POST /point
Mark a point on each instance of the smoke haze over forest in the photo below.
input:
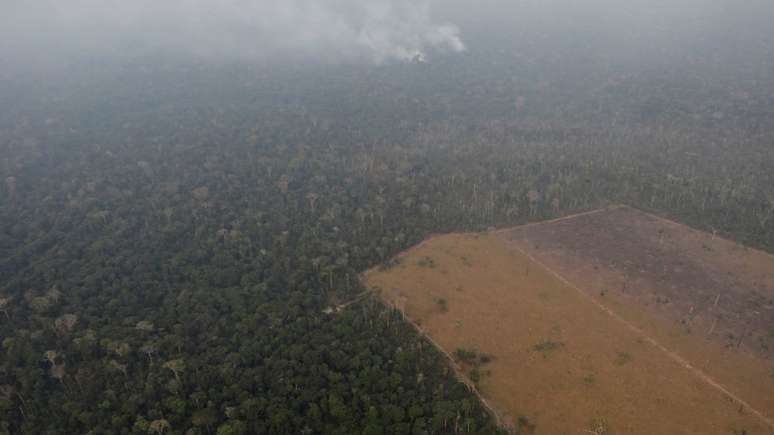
(380, 30)
(374, 30)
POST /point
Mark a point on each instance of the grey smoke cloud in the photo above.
(374, 30)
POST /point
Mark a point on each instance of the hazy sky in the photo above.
(375, 30)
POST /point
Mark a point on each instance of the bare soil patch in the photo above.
(711, 286)
(571, 317)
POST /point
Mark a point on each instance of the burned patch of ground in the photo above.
(712, 287)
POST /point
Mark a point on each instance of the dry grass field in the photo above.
(605, 323)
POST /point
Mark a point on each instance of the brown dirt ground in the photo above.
(584, 317)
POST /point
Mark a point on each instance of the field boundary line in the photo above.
(432, 237)
(606, 208)
(675, 223)
(672, 355)
(559, 219)
(646, 212)
(500, 420)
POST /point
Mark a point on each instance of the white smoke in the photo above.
(377, 30)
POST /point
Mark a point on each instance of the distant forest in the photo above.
(171, 232)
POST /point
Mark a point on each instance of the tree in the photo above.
(533, 196)
(177, 366)
(159, 426)
(149, 349)
(206, 417)
(4, 303)
(232, 428)
(65, 323)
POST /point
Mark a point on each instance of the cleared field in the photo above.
(578, 344)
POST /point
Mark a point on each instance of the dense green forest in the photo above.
(171, 233)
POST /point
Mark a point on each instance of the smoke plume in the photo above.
(373, 30)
